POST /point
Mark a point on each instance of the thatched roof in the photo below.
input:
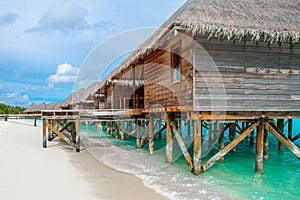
(271, 20)
(39, 108)
(82, 95)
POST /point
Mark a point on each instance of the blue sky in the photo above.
(44, 43)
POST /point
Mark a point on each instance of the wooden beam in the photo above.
(259, 159)
(130, 134)
(296, 137)
(197, 147)
(283, 139)
(228, 148)
(61, 135)
(182, 146)
(151, 136)
(169, 140)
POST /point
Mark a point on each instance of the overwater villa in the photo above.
(225, 66)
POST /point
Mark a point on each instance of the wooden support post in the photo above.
(34, 122)
(138, 132)
(44, 134)
(280, 125)
(151, 137)
(159, 125)
(49, 131)
(228, 148)
(182, 146)
(77, 136)
(188, 124)
(233, 134)
(122, 130)
(259, 160)
(266, 144)
(221, 139)
(5, 118)
(197, 147)
(283, 139)
(169, 140)
(290, 129)
(252, 138)
(109, 128)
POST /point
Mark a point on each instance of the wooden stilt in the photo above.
(290, 129)
(221, 139)
(252, 138)
(188, 124)
(182, 146)
(197, 147)
(228, 148)
(260, 147)
(280, 125)
(283, 139)
(49, 131)
(138, 132)
(34, 122)
(77, 136)
(44, 134)
(266, 144)
(233, 134)
(122, 130)
(169, 140)
(151, 137)
(5, 118)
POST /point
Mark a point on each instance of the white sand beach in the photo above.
(28, 171)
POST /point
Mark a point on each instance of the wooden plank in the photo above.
(197, 147)
(283, 139)
(228, 148)
(182, 146)
(259, 159)
(169, 141)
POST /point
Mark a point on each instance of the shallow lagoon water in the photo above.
(232, 179)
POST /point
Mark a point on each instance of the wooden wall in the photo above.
(160, 90)
(246, 76)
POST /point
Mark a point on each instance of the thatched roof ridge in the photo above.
(271, 20)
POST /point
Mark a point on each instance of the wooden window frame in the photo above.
(173, 56)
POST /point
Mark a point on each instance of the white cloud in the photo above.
(65, 17)
(65, 73)
(8, 19)
(15, 99)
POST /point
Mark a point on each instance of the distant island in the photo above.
(6, 109)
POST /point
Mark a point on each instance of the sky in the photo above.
(45, 44)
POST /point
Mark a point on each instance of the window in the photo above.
(176, 64)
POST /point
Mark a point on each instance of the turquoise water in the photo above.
(232, 179)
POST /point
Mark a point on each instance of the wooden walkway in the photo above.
(146, 127)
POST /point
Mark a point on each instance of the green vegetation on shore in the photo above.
(5, 109)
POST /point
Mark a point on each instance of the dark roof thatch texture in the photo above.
(271, 20)
(39, 108)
